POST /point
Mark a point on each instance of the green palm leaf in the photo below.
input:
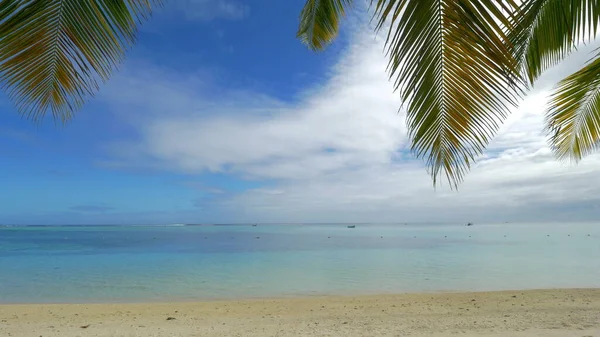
(319, 22)
(547, 30)
(573, 119)
(453, 67)
(53, 53)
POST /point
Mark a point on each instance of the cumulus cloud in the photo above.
(339, 153)
(351, 121)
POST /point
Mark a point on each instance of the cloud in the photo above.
(91, 208)
(208, 10)
(16, 135)
(203, 187)
(349, 124)
(339, 151)
(57, 173)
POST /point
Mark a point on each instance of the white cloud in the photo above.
(339, 153)
(207, 10)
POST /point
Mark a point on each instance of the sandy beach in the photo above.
(564, 312)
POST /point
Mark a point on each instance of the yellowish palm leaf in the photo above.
(548, 30)
(573, 119)
(453, 66)
(53, 53)
(320, 21)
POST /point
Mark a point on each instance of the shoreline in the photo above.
(290, 297)
(549, 312)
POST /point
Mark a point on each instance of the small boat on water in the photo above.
(352, 226)
(470, 224)
(254, 225)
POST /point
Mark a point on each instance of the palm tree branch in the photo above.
(54, 53)
(573, 118)
(319, 22)
(548, 30)
(452, 63)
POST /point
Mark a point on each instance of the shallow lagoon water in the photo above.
(163, 263)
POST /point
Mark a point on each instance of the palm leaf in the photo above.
(547, 30)
(453, 67)
(573, 119)
(53, 53)
(319, 22)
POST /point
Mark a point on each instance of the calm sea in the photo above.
(145, 263)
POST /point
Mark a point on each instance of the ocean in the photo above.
(83, 264)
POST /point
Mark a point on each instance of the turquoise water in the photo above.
(129, 264)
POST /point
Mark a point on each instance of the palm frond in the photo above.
(573, 119)
(453, 67)
(320, 20)
(54, 53)
(547, 30)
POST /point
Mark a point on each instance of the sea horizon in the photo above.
(398, 223)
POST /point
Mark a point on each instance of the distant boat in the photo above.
(352, 226)
(254, 225)
(470, 224)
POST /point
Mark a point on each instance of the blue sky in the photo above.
(220, 115)
(55, 173)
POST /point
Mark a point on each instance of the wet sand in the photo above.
(553, 313)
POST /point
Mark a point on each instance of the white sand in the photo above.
(552, 313)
